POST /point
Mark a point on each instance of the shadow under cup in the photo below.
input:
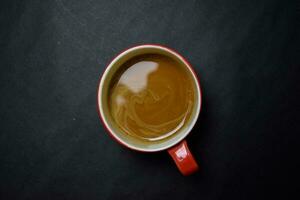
(104, 93)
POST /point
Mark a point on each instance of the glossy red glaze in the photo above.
(183, 158)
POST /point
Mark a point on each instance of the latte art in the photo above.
(151, 98)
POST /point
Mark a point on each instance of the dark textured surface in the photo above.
(52, 145)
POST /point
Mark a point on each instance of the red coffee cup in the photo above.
(175, 145)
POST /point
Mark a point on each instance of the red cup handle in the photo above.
(183, 158)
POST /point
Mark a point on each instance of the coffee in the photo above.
(151, 97)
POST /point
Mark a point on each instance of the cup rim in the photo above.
(118, 56)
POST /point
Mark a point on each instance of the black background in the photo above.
(53, 146)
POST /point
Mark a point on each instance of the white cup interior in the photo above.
(103, 102)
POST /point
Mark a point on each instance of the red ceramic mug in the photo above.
(175, 145)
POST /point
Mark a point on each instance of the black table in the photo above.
(53, 146)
